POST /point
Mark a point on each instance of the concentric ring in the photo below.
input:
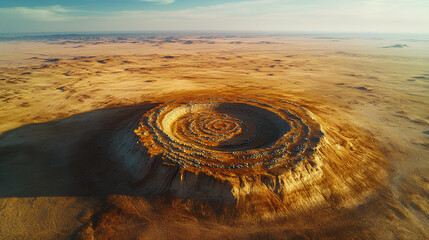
(230, 133)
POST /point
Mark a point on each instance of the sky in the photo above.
(390, 16)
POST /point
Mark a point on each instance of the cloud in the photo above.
(160, 1)
(375, 2)
(287, 15)
(44, 14)
(271, 15)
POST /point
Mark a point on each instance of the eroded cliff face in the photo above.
(253, 156)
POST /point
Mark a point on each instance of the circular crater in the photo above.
(230, 134)
(223, 126)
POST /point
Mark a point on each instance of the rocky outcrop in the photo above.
(257, 156)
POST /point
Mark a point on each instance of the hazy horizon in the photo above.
(224, 33)
(350, 16)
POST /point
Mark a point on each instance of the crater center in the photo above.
(223, 126)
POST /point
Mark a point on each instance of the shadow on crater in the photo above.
(65, 157)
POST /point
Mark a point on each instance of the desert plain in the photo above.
(70, 105)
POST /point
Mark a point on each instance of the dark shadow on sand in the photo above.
(65, 157)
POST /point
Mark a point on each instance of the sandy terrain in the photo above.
(68, 105)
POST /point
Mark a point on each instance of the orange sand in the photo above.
(362, 91)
